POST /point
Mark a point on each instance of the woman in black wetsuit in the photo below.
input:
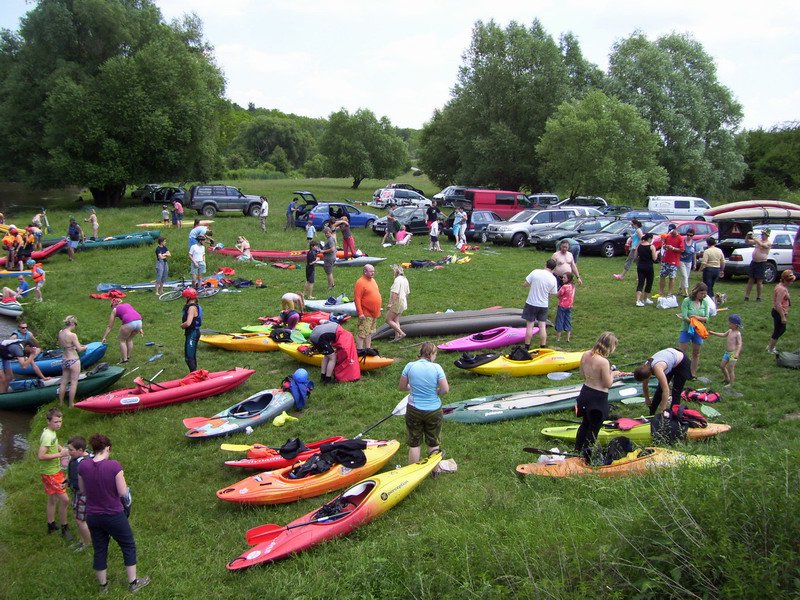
(192, 320)
(592, 402)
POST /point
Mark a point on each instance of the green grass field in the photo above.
(730, 532)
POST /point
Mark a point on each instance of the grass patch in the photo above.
(481, 533)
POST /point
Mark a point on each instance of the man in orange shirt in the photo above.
(368, 301)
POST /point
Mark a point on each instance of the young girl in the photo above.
(311, 231)
(733, 349)
(243, 246)
(434, 232)
(165, 216)
(403, 236)
(92, 220)
(566, 298)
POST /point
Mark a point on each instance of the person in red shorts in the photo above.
(50, 455)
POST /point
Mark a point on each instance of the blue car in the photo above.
(322, 211)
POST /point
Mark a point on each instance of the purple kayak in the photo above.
(491, 338)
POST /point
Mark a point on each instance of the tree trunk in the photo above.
(356, 182)
(109, 195)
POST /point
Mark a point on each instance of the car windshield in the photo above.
(660, 228)
(616, 227)
(404, 212)
(568, 224)
(523, 216)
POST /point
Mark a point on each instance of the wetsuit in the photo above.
(192, 336)
(592, 405)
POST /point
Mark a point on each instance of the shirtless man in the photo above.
(592, 402)
(70, 361)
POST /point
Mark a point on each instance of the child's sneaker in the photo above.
(640, 303)
(648, 301)
(138, 583)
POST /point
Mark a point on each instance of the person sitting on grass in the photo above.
(403, 236)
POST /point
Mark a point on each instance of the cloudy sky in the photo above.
(400, 59)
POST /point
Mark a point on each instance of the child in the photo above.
(38, 274)
(566, 298)
(311, 259)
(403, 236)
(733, 349)
(311, 231)
(162, 264)
(434, 232)
(76, 446)
(50, 455)
(165, 216)
(92, 220)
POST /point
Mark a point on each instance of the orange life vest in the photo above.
(37, 273)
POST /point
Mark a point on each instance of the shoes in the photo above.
(746, 299)
(617, 276)
(758, 299)
(67, 534)
(138, 583)
(51, 527)
(648, 301)
(640, 303)
(773, 350)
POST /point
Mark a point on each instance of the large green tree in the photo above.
(102, 93)
(598, 145)
(260, 137)
(361, 146)
(773, 160)
(673, 82)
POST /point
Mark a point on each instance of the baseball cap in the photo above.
(672, 227)
(766, 231)
(735, 319)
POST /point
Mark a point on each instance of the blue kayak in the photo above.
(49, 361)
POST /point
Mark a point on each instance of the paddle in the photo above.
(263, 533)
(153, 380)
(548, 452)
(46, 222)
(400, 409)
(237, 447)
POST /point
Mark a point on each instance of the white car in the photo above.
(386, 197)
(779, 259)
(518, 229)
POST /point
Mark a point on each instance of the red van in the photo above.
(504, 203)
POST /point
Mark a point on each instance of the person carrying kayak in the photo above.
(192, 320)
(592, 401)
(666, 365)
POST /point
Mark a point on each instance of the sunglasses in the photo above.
(23, 326)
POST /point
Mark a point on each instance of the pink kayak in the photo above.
(491, 338)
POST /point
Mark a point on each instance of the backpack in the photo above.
(519, 353)
(689, 416)
(666, 430)
(704, 395)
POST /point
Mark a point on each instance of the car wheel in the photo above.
(209, 211)
(607, 250)
(518, 240)
(369, 224)
(254, 211)
(701, 218)
(482, 237)
(771, 273)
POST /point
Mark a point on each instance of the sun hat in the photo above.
(735, 319)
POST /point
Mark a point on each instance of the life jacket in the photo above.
(11, 349)
(692, 418)
(73, 233)
(38, 273)
(700, 395)
(198, 320)
(8, 241)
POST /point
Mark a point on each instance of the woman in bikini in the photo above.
(70, 361)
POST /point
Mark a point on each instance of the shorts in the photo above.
(670, 271)
(7, 363)
(73, 243)
(54, 484)
(79, 506)
(728, 358)
(178, 216)
(534, 314)
(134, 325)
(327, 267)
(434, 239)
(162, 271)
(310, 273)
(200, 269)
(40, 284)
(757, 270)
(366, 326)
(427, 423)
(686, 337)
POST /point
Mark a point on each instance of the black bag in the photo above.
(292, 448)
(617, 448)
(519, 353)
(666, 430)
(281, 334)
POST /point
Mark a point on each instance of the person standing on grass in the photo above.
(311, 231)
(695, 306)
(781, 302)
(391, 227)
(646, 256)
(688, 261)
(425, 382)
(566, 299)
(311, 263)
(264, 213)
(668, 365)
(542, 284)
(71, 348)
(192, 321)
(435, 229)
(636, 238)
(398, 302)
(74, 238)
(178, 213)
(102, 480)
(712, 264)
(329, 255)
(758, 264)
(197, 257)
(348, 241)
(592, 402)
(162, 264)
(733, 349)
(565, 263)
(50, 455)
(131, 324)
(290, 210)
(673, 247)
(92, 220)
(367, 298)
(459, 225)
(76, 446)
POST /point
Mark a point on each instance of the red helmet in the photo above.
(189, 292)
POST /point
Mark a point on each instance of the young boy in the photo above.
(311, 259)
(311, 231)
(76, 446)
(733, 349)
(50, 455)
(165, 216)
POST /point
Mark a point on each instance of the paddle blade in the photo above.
(548, 452)
(263, 533)
(400, 409)
(192, 422)
(235, 447)
(558, 375)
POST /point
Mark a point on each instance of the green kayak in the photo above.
(301, 327)
(503, 407)
(122, 240)
(31, 393)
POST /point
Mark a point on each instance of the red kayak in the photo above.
(265, 458)
(195, 386)
(312, 318)
(42, 254)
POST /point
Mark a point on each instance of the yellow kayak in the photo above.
(304, 354)
(241, 342)
(541, 362)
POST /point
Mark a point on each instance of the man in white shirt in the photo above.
(197, 254)
(264, 213)
(542, 284)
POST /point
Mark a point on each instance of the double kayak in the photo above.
(266, 458)
(246, 342)
(637, 462)
(31, 393)
(305, 354)
(195, 386)
(301, 328)
(539, 362)
(49, 361)
(487, 340)
(640, 434)
(38, 255)
(123, 240)
(252, 412)
(503, 407)
(359, 504)
(277, 487)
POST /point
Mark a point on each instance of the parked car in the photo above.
(477, 223)
(405, 186)
(208, 200)
(679, 207)
(731, 234)
(615, 209)
(322, 211)
(413, 217)
(548, 239)
(164, 194)
(702, 230)
(610, 240)
(779, 258)
(518, 229)
(143, 192)
(450, 195)
(543, 200)
(398, 197)
(643, 215)
(590, 201)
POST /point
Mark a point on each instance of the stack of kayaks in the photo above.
(266, 458)
(38, 255)
(247, 342)
(641, 433)
(49, 361)
(305, 354)
(637, 462)
(256, 410)
(487, 340)
(361, 503)
(195, 386)
(30, 393)
(540, 362)
(276, 487)
(502, 407)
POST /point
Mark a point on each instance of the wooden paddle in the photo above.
(264, 533)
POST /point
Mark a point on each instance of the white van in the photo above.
(686, 208)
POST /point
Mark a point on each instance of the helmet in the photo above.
(12, 229)
(300, 375)
(30, 262)
(189, 293)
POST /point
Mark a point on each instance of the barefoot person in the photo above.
(592, 401)
(398, 302)
(131, 325)
(780, 309)
(70, 359)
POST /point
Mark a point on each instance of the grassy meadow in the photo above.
(730, 532)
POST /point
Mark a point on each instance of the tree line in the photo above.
(105, 93)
